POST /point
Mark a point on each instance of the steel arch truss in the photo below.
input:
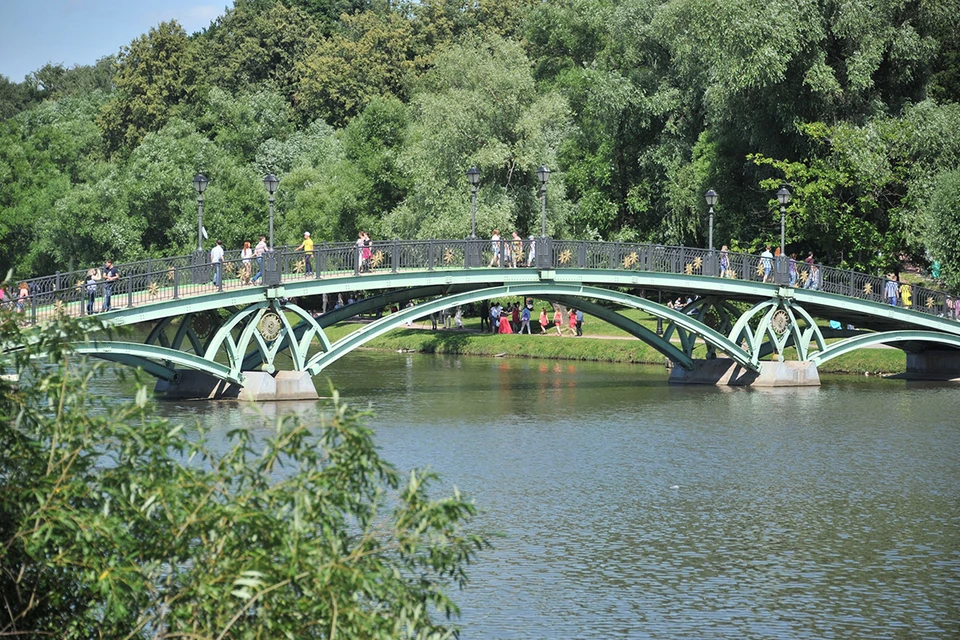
(265, 328)
(716, 313)
(204, 342)
(546, 290)
(773, 325)
(847, 345)
(155, 360)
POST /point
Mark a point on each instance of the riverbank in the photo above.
(592, 347)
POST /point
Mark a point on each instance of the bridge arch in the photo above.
(889, 337)
(149, 356)
(547, 290)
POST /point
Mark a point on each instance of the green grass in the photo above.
(587, 348)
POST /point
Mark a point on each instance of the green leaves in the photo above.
(131, 526)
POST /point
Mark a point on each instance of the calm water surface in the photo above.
(632, 509)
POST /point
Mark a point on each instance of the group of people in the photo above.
(895, 292)
(106, 276)
(247, 257)
(20, 300)
(517, 319)
(364, 252)
(770, 257)
(510, 252)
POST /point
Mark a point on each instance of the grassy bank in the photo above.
(596, 346)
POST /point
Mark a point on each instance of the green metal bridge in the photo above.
(229, 334)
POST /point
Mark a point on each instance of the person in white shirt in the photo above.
(495, 245)
(216, 259)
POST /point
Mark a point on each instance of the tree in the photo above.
(254, 44)
(55, 80)
(15, 97)
(943, 226)
(479, 105)
(240, 122)
(155, 74)
(368, 57)
(118, 525)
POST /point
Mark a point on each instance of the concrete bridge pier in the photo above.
(933, 364)
(724, 371)
(259, 386)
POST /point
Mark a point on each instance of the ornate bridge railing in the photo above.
(159, 279)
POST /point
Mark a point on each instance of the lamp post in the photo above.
(784, 197)
(782, 273)
(271, 182)
(543, 173)
(200, 184)
(473, 177)
(711, 198)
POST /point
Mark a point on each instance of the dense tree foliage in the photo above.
(114, 524)
(370, 112)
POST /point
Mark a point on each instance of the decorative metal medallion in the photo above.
(377, 260)
(760, 268)
(80, 285)
(868, 289)
(59, 308)
(171, 274)
(566, 256)
(929, 302)
(270, 326)
(154, 289)
(449, 256)
(299, 267)
(780, 322)
(688, 269)
(698, 263)
(203, 323)
(631, 260)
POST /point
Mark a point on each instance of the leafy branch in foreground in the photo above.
(114, 524)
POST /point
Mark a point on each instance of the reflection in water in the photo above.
(633, 509)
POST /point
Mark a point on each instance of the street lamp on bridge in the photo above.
(784, 197)
(473, 177)
(271, 182)
(711, 198)
(543, 173)
(200, 184)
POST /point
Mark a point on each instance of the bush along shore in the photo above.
(591, 347)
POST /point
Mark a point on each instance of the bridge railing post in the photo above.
(176, 282)
(472, 257)
(430, 255)
(129, 291)
(271, 268)
(316, 263)
(582, 254)
(395, 255)
(33, 308)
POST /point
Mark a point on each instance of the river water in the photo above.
(634, 509)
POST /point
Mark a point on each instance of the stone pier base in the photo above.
(259, 387)
(724, 371)
(933, 365)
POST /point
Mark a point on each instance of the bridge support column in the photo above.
(724, 371)
(933, 365)
(259, 386)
